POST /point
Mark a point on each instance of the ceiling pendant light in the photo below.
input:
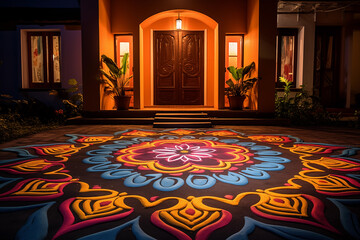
(178, 22)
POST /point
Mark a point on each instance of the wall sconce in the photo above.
(178, 22)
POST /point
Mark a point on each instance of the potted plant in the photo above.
(242, 83)
(116, 80)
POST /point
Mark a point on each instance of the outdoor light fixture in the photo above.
(178, 22)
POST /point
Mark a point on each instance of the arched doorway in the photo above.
(198, 29)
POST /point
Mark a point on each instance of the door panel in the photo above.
(165, 67)
(192, 68)
(179, 67)
(327, 66)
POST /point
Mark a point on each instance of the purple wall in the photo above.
(71, 56)
(10, 69)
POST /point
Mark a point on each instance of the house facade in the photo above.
(183, 67)
(149, 25)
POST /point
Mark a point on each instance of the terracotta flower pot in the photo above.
(236, 102)
(122, 102)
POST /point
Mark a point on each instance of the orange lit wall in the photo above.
(168, 23)
(251, 46)
(260, 48)
(229, 14)
(106, 46)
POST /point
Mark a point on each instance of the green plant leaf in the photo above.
(240, 73)
(111, 65)
(248, 68)
(115, 78)
(72, 90)
(72, 82)
(230, 83)
(282, 79)
(241, 86)
(110, 81)
(110, 78)
(234, 72)
(124, 63)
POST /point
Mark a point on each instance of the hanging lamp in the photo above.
(178, 22)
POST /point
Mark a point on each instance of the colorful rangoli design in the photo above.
(180, 184)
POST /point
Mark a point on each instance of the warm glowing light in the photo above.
(233, 49)
(124, 48)
(178, 22)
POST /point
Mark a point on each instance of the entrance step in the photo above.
(183, 114)
(178, 118)
(182, 124)
(182, 119)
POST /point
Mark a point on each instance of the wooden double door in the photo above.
(179, 67)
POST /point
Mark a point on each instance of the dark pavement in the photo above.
(330, 135)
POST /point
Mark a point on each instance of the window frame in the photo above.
(129, 88)
(48, 60)
(229, 38)
(280, 33)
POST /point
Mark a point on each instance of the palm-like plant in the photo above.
(115, 78)
(243, 82)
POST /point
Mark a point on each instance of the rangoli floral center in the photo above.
(183, 152)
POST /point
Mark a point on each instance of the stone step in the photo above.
(183, 114)
(150, 120)
(181, 119)
(182, 124)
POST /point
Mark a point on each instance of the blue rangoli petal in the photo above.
(5, 181)
(268, 166)
(104, 167)
(232, 178)
(268, 153)
(349, 220)
(36, 226)
(255, 173)
(137, 180)
(168, 183)
(272, 159)
(200, 181)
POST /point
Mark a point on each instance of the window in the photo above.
(286, 51)
(234, 50)
(44, 59)
(123, 44)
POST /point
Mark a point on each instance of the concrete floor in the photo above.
(330, 135)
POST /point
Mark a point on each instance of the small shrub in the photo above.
(72, 99)
(13, 125)
(302, 109)
(23, 117)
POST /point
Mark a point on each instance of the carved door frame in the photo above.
(182, 72)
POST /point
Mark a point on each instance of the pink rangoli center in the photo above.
(183, 152)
